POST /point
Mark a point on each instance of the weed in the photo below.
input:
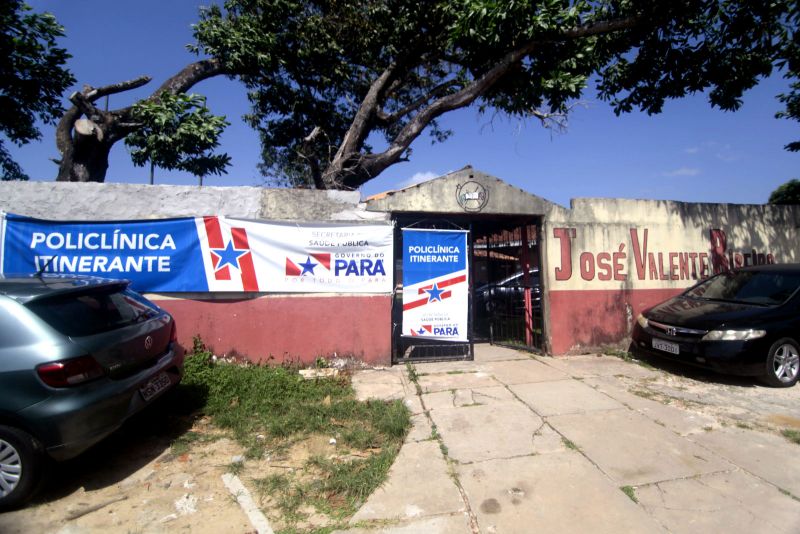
(745, 426)
(630, 491)
(412, 373)
(645, 394)
(791, 435)
(456, 372)
(272, 408)
(569, 444)
(235, 468)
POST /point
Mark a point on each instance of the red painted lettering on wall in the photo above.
(653, 265)
(564, 272)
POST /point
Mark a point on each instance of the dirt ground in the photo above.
(136, 482)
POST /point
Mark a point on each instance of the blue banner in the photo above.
(435, 284)
(160, 255)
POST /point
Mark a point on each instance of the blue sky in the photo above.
(689, 152)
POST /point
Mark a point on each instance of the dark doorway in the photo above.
(507, 295)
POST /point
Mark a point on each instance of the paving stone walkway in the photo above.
(514, 443)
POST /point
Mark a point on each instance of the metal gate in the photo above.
(415, 349)
(510, 302)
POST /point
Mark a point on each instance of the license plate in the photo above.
(154, 386)
(666, 346)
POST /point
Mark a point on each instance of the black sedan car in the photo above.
(78, 356)
(744, 322)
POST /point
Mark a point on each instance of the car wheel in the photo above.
(20, 466)
(783, 363)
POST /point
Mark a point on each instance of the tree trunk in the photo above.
(85, 143)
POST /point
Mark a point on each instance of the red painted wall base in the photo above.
(591, 318)
(275, 329)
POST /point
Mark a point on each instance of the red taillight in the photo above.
(69, 372)
(173, 334)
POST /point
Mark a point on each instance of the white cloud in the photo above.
(418, 178)
(692, 150)
(682, 171)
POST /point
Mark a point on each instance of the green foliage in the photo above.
(791, 435)
(788, 193)
(32, 77)
(178, 132)
(274, 407)
(310, 64)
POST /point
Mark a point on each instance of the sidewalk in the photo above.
(514, 443)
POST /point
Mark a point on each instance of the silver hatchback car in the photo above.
(78, 356)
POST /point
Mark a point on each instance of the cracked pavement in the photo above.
(518, 443)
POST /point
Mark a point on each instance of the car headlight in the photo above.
(734, 335)
(642, 320)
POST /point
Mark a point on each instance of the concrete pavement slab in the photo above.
(522, 371)
(633, 450)
(457, 380)
(757, 452)
(421, 428)
(734, 502)
(414, 404)
(546, 440)
(492, 353)
(380, 384)
(467, 397)
(680, 421)
(418, 485)
(598, 365)
(447, 524)
(559, 493)
(563, 397)
(478, 433)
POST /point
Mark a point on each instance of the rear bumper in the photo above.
(72, 420)
(744, 358)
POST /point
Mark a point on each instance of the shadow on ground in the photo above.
(142, 438)
(697, 373)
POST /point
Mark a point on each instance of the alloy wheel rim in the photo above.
(786, 363)
(10, 468)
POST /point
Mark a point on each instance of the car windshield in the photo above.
(86, 314)
(765, 288)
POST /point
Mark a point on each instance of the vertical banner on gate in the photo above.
(435, 284)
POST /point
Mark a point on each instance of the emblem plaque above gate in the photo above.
(472, 196)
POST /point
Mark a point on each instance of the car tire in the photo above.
(783, 363)
(21, 461)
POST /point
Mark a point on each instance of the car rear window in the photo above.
(751, 287)
(94, 312)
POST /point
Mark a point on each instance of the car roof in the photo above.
(787, 268)
(28, 287)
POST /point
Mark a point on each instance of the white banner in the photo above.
(296, 257)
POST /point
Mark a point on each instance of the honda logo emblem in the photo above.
(672, 331)
(148, 343)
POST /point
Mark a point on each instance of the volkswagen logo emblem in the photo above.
(148, 343)
(672, 331)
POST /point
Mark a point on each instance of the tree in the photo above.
(32, 78)
(178, 132)
(788, 193)
(340, 89)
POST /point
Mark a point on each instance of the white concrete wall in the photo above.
(93, 201)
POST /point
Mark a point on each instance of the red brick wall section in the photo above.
(597, 317)
(288, 328)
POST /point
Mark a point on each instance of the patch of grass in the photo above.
(235, 468)
(745, 426)
(183, 443)
(645, 394)
(272, 408)
(630, 492)
(791, 435)
(569, 444)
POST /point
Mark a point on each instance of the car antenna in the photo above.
(45, 266)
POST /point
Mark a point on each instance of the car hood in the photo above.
(704, 314)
